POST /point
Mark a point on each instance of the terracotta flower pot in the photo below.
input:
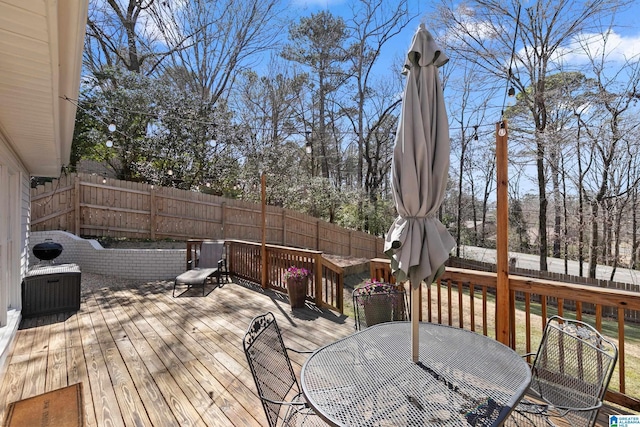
(297, 290)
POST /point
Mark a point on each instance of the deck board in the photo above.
(146, 358)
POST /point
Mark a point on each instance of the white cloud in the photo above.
(316, 3)
(615, 47)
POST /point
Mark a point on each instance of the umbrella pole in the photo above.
(415, 309)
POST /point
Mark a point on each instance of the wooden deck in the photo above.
(147, 359)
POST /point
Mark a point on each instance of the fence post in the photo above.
(76, 206)
(317, 235)
(284, 228)
(152, 213)
(223, 216)
(350, 243)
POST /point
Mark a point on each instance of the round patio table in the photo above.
(368, 378)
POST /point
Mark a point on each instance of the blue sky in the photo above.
(621, 45)
(626, 40)
(397, 48)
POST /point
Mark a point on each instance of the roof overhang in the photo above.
(41, 45)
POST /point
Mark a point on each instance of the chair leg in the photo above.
(174, 288)
(219, 275)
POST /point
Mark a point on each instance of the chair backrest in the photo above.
(210, 254)
(269, 364)
(573, 366)
(377, 303)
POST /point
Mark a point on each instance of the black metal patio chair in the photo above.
(273, 374)
(570, 375)
(378, 302)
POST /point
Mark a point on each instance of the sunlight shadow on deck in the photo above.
(281, 301)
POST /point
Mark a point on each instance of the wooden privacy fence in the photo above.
(90, 205)
(326, 283)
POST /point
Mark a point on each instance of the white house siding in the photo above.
(14, 220)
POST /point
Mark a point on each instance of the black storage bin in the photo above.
(51, 289)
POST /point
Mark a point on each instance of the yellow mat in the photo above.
(57, 408)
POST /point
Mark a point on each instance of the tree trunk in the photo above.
(542, 216)
(634, 229)
(593, 250)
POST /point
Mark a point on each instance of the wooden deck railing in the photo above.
(466, 299)
(326, 283)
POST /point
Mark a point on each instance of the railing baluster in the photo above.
(472, 307)
(440, 303)
(485, 328)
(460, 307)
(561, 307)
(579, 310)
(621, 352)
(527, 323)
(449, 304)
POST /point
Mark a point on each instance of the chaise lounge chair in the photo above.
(209, 263)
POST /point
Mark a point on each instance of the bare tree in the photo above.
(484, 31)
(373, 24)
(124, 34)
(267, 111)
(471, 111)
(613, 99)
(219, 40)
(318, 42)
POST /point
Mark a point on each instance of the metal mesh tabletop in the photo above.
(368, 378)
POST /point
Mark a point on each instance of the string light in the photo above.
(502, 131)
(512, 92)
(308, 146)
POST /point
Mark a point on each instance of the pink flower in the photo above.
(294, 272)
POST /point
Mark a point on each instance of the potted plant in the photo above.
(380, 302)
(297, 281)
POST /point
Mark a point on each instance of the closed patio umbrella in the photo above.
(417, 242)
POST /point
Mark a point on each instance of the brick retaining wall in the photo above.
(144, 264)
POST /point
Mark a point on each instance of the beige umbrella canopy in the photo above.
(417, 243)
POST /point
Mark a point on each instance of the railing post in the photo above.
(231, 257)
(318, 279)
(502, 237)
(265, 263)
